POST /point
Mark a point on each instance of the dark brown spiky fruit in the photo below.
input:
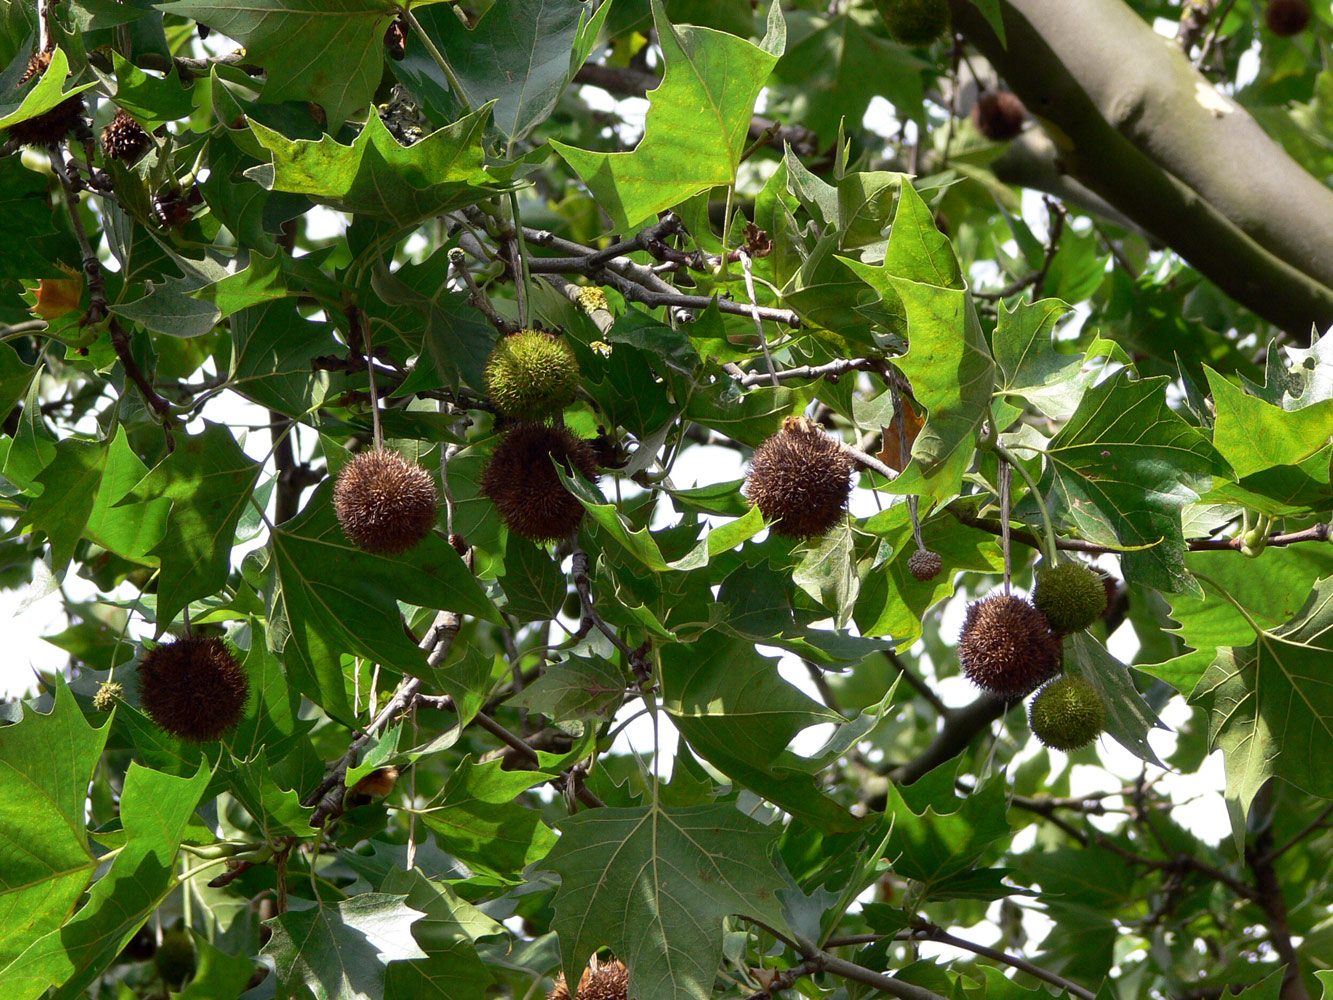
(385, 503)
(998, 115)
(124, 138)
(925, 564)
(600, 981)
(395, 39)
(194, 688)
(1007, 646)
(1287, 17)
(50, 126)
(172, 207)
(520, 479)
(800, 479)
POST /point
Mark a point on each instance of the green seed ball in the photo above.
(1070, 595)
(915, 22)
(175, 958)
(1067, 713)
(531, 375)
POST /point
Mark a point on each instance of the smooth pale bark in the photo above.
(1134, 122)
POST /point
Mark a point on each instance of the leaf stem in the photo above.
(438, 56)
(1052, 545)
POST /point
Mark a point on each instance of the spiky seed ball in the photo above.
(1007, 646)
(1067, 713)
(521, 481)
(194, 688)
(604, 981)
(531, 375)
(800, 479)
(915, 22)
(925, 564)
(1070, 595)
(107, 693)
(50, 126)
(1287, 17)
(998, 115)
(175, 958)
(385, 503)
(124, 138)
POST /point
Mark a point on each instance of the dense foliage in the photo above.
(380, 396)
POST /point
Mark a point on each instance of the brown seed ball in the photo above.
(604, 981)
(385, 503)
(1287, 17)
(925, 564)
(50, 126)
(194, 688)
(1007, 646)
(521, 481)
(124, 138)
(998, 115)
(800, 480)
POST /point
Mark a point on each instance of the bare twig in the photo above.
(120, 343)
(581, 791)
(92, 266)
(933, 932)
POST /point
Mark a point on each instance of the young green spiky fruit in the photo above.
(600, 981)
(1007, 646)
(1067, 713)
(175, 958)
(107, 693)
(521, 481)
(1070, 595)
(915, 22)
(194, 688)
(800, 480)
(385, 503)
(531, 375)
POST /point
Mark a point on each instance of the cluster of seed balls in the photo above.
(387, 505)
(600, 981)
(1011, 646)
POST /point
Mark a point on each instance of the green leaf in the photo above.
(378, 177)
(218, 974)
(533, 583)
(948, 362)
(330, 52)
(1031, 367)
(1128, 716)
(479, 822)
(1270, 710)
(155, 809)
(654, 884)
(338, 599)
(892, 601)
(931, 845)
(208, 480)
(518, 56)
(342, 951)
(273, 346)
(696, 127)
(134, 530)
(277, 810)
(1271, 590)
(1122, 469)
(578, 687)
(70, 485)
(46, 762)
(1254, 436)
(44, 95)
(737, 713)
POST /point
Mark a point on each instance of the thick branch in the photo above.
(1138, 125)
(961, 727)
(1269, 897)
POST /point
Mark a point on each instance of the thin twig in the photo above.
(581, 791)
(748, 268)
(92, 266)
(934, 932)
(1305, 831)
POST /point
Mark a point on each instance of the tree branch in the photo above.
(933, 932)
(961, 727)
(1144, 130)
